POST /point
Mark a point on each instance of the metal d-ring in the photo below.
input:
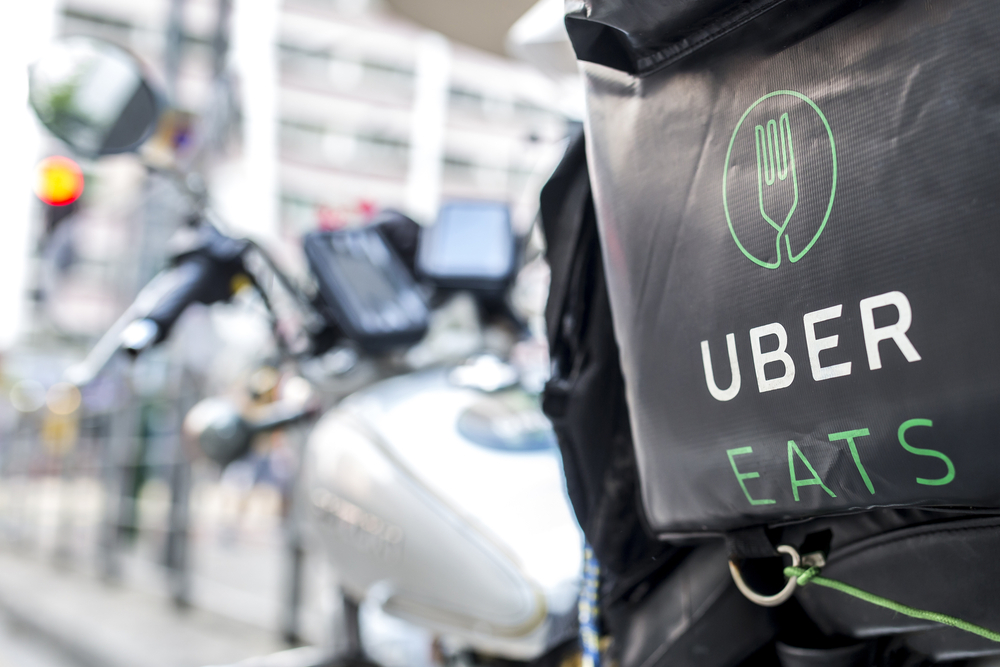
(768, 600)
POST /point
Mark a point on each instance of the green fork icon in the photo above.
(775, 162)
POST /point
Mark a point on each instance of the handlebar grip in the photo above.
(204, 274)
(189, 281)
(198, 279)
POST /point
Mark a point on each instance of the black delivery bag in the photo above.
(798, 206)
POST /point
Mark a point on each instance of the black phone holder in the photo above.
(364, 288)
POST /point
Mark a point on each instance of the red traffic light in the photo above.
(58, 181)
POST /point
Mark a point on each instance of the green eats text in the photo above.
(797, 461)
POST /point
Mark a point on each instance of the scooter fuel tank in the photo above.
(453, 500)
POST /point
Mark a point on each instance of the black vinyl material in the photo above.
(585, 397)
(800, 194)
(852, 655)
(798, 208)
(695, 618)
(946, 566)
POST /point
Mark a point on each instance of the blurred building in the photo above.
(368, 109)
(342, 108)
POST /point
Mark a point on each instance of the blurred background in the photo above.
(119, 543)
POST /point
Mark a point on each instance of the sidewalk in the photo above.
(106, 626)
(19, 647)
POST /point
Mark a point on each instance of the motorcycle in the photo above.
(436, 491)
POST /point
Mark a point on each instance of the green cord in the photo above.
(811, 575)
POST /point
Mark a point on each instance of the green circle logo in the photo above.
(780, 178)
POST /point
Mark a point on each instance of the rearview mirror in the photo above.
(93, 95)
(223, 434)
(219, 429)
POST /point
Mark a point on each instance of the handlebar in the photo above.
(203, 273)
(199, 279)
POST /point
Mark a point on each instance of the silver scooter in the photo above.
(437, 495)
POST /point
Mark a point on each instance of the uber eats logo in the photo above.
(778, 187)
(780, 178)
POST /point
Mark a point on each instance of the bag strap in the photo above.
(750, 542)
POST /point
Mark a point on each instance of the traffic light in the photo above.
(59, 184)
(58, 181)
